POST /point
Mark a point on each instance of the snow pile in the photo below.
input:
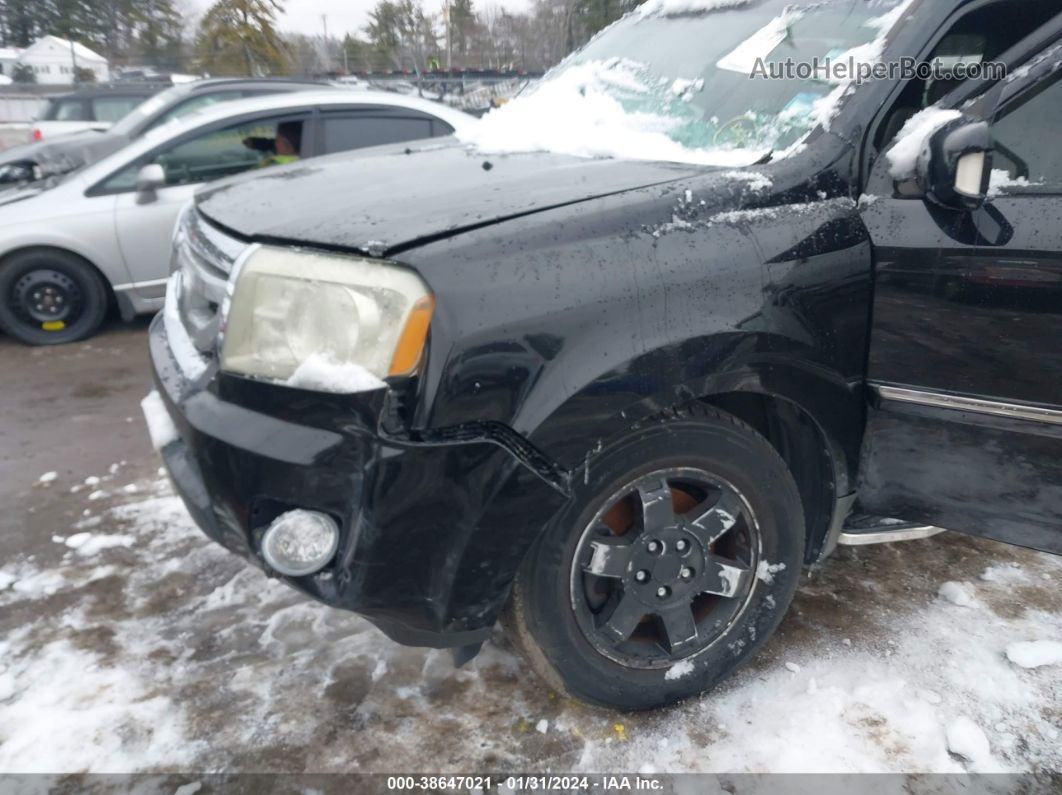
(160, 425)
(88, 544)
(575, 113)
(47, 477)
(966, 739)
(1035, 653)
(914, 138)
(958, 593)
(322, 373)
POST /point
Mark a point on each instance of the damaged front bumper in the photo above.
(433, 526)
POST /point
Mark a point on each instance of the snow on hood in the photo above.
(574, 114)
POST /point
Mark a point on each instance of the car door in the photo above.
(965, 368)
(144, 222)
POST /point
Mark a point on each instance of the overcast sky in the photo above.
(304, 16)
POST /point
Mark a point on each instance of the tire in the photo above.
(731, 498)
(51, 297)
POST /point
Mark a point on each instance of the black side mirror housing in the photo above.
(955, 168)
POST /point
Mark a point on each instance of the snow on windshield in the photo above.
(659, 87)
(669, 7)
(578, 113)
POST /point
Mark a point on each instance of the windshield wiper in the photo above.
(765, 159)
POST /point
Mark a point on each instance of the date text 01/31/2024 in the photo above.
(544, 783)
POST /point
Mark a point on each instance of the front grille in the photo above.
(204, 256)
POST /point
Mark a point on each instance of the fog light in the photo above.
(300, 542)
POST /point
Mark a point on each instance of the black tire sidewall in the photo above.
(735, 454)
(92, 287)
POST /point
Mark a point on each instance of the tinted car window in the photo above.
(67, 110)
(217, 154)
(1027, 138)
(342, 133)
(113, 108)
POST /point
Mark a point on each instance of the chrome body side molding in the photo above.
(1017, 411)
(887, 536)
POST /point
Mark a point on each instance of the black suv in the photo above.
(67, 153)
(620, 402)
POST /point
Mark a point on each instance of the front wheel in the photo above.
(50, 297)
(673, 563)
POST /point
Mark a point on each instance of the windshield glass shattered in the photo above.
(672, 81)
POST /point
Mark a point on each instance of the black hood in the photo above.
(65, 153)
(389, 199)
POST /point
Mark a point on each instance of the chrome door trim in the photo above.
(1016, 411)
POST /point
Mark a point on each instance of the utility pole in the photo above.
(327, 55)
(73, 58)
(449, 37)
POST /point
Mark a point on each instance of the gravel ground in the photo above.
(130, 643)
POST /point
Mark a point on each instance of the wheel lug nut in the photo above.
(663, 592)
(682, 545)
(686, 573)
(654, 546)
(642, 576)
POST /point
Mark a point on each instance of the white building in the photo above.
(53, 59)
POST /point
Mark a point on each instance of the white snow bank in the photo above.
(90, 544)
(160, 426)
(966, 739)
(914, 137)
(321, 373)
(573, 113)
(74, 715)
(1035, 653)
(958, 593)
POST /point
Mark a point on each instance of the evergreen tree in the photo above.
(240, 37)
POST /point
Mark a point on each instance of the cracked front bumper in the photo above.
(432, 530)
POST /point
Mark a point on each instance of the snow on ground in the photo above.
(142, 646)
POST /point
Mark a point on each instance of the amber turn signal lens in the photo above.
(414, 337)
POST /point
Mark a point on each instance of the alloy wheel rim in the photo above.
(665, 568)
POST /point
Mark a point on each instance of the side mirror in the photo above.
(149, 179)
(955, 168)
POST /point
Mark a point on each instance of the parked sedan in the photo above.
(95, 108)
(61, 154)
(73, 245)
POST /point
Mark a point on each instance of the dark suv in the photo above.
(619, 402)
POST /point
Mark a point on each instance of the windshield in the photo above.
(674, 81)
(148, 108)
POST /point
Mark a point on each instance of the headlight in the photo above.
(323, 321)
